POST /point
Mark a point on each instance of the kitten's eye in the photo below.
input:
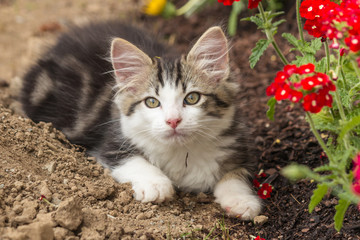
(192, 98)
(151, 102)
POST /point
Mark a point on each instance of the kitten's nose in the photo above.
(173, 122)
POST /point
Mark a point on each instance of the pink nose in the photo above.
(173, 122)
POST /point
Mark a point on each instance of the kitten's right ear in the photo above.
(129, 62)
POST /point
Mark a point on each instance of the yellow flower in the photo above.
(154, 7)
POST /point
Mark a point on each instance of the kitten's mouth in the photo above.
(176, 135)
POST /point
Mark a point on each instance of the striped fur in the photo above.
(100, 104)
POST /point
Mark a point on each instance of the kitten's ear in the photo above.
(210, 54)
(129, 62)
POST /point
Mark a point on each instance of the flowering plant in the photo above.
(327, 88)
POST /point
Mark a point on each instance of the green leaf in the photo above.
(277, 23)
(258, 21)
(354, 122)
(325, 168)
(291, 39)
(301, 60)
(340, 213)
(317, 196)
(258, 51)
(316, 44)
(275, 14)
(271, 111)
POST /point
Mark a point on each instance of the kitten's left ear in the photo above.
(210, 54)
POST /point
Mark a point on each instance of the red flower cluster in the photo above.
(265, 189)
(314, 85)
(252, 3)
(356, 173)
(334, 21)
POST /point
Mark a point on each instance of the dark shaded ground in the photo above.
(286, 139)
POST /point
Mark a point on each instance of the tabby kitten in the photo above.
(158, 120)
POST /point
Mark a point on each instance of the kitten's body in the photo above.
(143, 122)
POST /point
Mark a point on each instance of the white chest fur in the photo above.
(196, 169)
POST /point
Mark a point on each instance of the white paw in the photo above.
(238, 199)
(155, 190)
(244, 206)
(148, 182)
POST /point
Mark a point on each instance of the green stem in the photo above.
(191, 5)
(327, 52)
(340, 106)
(270, 36)
(318, 137)
(298, 18)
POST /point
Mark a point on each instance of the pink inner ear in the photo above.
(210, 54)
(128, 61)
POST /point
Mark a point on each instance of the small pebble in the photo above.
(260, 220)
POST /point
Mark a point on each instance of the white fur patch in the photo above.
(148, 182)
(236, 197)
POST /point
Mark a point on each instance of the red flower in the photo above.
(342, 51)
(227, 2)
(314, 26)
(253, 3)
(325, 98)
(312, 104)
(322, 78)
(329, 86)
(259, 238)
(283, 92)
(311, 9)
(265, 191)
(309, 83)
(281, 77)
(295, 96)
(306, 69)
(271, 90)
(256, 183)
(42, 197)
(290, 69)
(353, 43)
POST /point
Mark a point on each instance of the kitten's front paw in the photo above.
(245, 206)
(155, 190)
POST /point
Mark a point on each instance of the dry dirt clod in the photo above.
(260, 220)
(38, 231)
(69, 214)
(28, 213)
(62, 233)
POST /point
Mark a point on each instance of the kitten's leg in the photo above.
(148, 182)
(234, 194)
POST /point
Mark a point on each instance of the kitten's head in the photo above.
(178, 101)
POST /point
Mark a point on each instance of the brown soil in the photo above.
(85, 202)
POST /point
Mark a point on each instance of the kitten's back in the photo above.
(71, 85)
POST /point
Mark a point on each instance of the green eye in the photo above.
(151, 102)
(192, 98)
